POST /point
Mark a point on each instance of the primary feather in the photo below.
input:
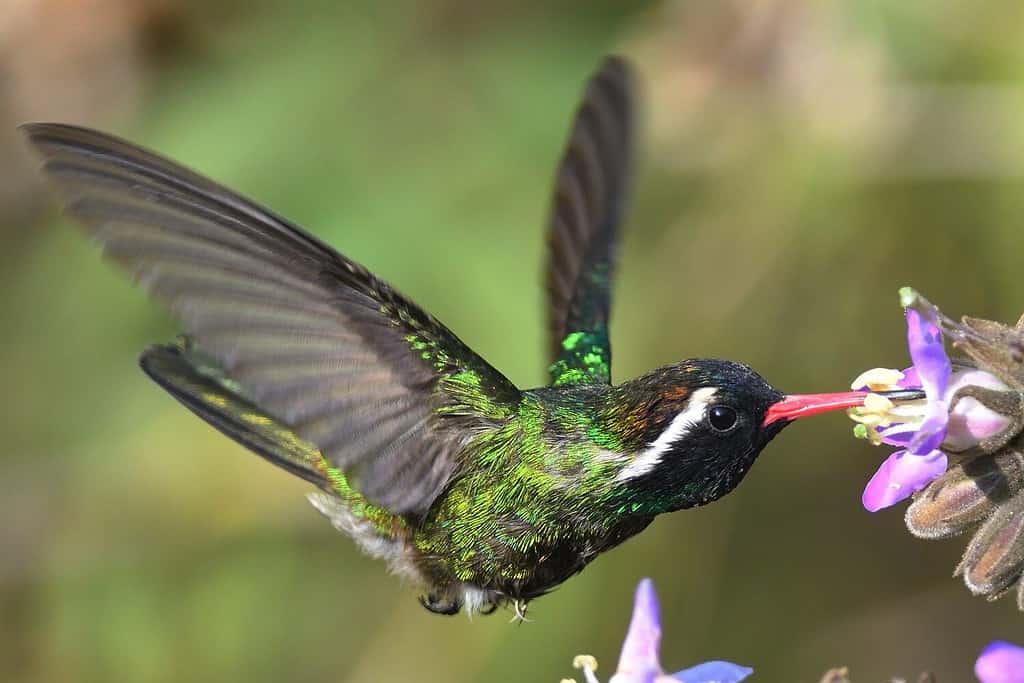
(315, 339)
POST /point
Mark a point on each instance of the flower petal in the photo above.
(911, 379)
(975, 378)
(640, 649)
(647, 676)
(899, 434)
(1000, 662)
(901, 475)
(933, 369)
(932, 432)
(926, 350)
(713, 672)
(970, 421)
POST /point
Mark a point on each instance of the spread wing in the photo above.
(201, 386)
(386, 392)
(591, 189)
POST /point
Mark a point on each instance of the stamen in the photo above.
(874, 412)
(862, 431)
(879, 411)
(589, 665)
(867, 419)
(878, 379)
(877, 404)
(908, 412)
(584, 662)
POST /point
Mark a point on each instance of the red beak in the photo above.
(802, 405)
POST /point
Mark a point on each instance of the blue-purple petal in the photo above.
(896, 438)
(927, 352)
(640, 649)
(1000, 662)
(714, 672)
(932, 431)
(911, 379)
(933, 368)
(900, 476)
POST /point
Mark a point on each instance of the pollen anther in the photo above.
(878, 379)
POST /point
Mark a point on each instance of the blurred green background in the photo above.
(800, 161)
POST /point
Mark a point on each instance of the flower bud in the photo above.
(995, 556)
(965, 495)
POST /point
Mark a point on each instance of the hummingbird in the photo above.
(481, 493)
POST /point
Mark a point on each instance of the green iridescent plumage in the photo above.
(585, 358)
(428, 457)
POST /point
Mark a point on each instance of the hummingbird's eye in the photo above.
(722, 418)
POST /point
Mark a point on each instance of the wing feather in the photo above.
(309, 336)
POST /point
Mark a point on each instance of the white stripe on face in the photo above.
(680, 425)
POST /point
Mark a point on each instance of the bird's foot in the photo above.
(519, 606)
(438, 605)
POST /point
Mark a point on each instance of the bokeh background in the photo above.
(800, 161)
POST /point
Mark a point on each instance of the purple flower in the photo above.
(639, 661)
(921, 428)
(914, 467)
(1000, 662)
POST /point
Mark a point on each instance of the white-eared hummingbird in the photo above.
(480, 492)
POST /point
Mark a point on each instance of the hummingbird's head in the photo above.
(699, 426)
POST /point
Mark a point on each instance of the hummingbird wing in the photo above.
(202, 387)
(385, 391)
(590, 195)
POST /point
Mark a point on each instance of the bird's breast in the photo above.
(519, 543)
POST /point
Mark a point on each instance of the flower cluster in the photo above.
(639, 661)
(961, 455)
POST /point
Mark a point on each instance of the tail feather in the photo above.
(202, 387)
